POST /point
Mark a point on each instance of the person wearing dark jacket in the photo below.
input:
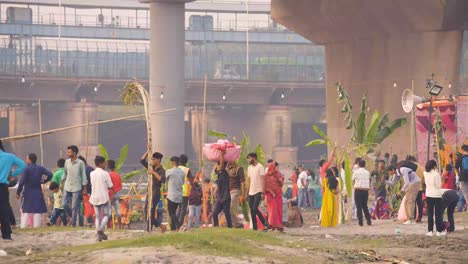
(223, 203)
(30, 190)
(159, 178)
(195, 201)
(450, 200)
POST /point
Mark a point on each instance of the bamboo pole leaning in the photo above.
(133, 93)
(32, 135)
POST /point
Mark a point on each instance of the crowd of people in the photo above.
(81, 193)
(403, 189)
(74, 186)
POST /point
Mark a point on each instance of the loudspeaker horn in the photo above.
(409, 100)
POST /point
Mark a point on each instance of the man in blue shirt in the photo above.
(7, 162)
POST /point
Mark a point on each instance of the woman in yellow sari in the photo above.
(330, 201)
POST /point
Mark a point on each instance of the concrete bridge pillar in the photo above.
(25, 120)
(167, 42)
(370, 45)
(278, 131)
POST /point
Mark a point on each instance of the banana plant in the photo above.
(323, 140)
(120, 160)
(367, 133)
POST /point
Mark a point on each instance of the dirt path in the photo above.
(383, 242)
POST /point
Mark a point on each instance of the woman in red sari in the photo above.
(274, 198)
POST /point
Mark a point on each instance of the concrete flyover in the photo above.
(88, 32)
(69, 90)
(370, 45)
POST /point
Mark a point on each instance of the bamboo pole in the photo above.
(41, 145)
(77, 126)
(412, 122)
(87, 135)
(436, 127)
(41, 142)
(204, 123)
(202, 142)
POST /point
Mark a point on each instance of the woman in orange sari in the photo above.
(274, 197)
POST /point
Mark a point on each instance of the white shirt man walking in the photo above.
(361, 183)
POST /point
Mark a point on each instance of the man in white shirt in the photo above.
(100, 184)
(361, 183)
(302, 188)
(255, 184)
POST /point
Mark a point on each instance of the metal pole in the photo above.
(247, 42)
(59, 36)
(429, 131)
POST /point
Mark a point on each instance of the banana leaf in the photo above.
(364, 103)
(397, 123)
(348, 175)
(373, 128)
(349, 125)
(132, 174)
(320, 133)
(344, 109)
(316, 142)
(217, 134)
(122, 158)
(384, 121)
(260, 154)
(103, 151)
(389, 129)
(361, 127)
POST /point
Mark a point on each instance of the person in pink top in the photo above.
(274, 199)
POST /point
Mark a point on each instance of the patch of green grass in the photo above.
(213, 241)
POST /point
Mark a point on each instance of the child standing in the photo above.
(195, 205)
(101, 183)
(58, 206)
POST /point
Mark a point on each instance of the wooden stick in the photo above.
(87, 135)
(412, 122)
(204, 122)
(41, 142)
(41, 145)
(77, 126)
